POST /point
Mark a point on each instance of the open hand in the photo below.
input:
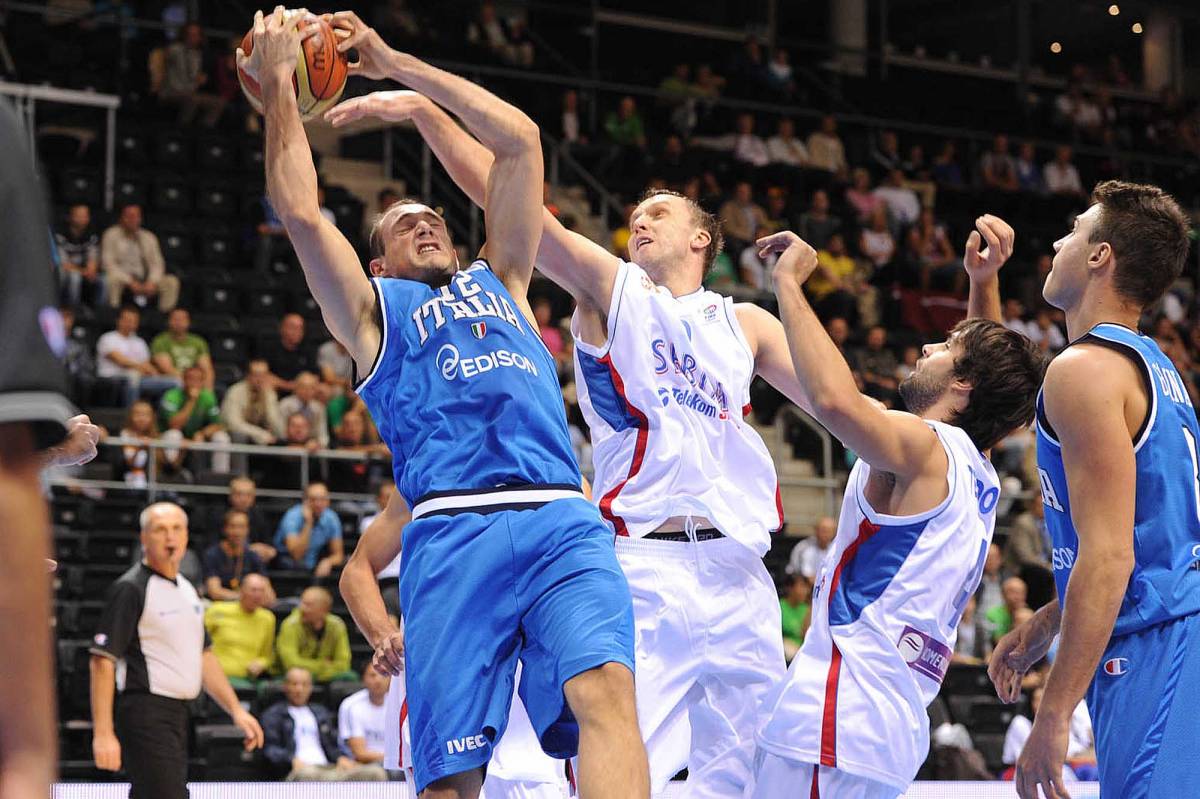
(373, 51)
(1041, 761)
(998, 235)
(396, 106)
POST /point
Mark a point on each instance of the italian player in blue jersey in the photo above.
(504, 558)
(1117, 457)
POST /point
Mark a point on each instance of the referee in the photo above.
(152, 645)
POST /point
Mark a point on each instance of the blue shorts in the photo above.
(480, 590)
(1145, 709)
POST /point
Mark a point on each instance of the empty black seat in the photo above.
(173, 149)
(171, 194)
(215, 155)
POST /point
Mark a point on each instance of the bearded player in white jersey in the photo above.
(849, 720)
(663, 372)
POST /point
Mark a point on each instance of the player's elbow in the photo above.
(524, 139)
(300, 220)
(831, 407)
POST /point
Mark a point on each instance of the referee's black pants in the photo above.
(153, 731)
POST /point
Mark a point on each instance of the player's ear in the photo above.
(1100, 256)
(376, 267)
(701, 238)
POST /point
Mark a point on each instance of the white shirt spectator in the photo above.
(878, 246)
(902, 203)
(754, 270)
(132, 347)
(826, 152)
(1079, 739)
(1027, 329)
(307, 736)
(570, 127)
(806, 558)
(790, 152)
(359, 718)
(332, 355)
(314, 411)
(1051, 336)
(1062, 178)
(746, 147)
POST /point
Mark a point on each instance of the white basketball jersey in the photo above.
(884, 621)
(664, 398)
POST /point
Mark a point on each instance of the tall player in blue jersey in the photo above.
(504, 558)
(1117, 455)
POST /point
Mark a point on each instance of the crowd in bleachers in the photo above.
(190, 323)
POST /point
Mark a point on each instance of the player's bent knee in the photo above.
(464, 785)
(602, 694)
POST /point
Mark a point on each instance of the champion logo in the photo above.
(479, 329)
(1115, 667)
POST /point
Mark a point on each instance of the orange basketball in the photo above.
(320, 74)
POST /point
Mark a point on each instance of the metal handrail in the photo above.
(828, 482)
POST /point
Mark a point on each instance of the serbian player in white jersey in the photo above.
(849, 720)
(519, 769)
(663, 371)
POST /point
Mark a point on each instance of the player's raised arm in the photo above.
(983, 299)
(888, 440)
(379, 545)
(331, 266)
(579, 265)
(513, 193)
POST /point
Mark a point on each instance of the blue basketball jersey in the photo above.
(1165, 583)
(463, 390)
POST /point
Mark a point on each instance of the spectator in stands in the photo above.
(876, 364)
(1061, 176)
(81, 366)
(243, 496)
(784, 148)
(672, 163)
(185, 83)
(288, 357)
(177, 349)
(989, 593)
(1029, 177)
(301, 740)
(997, 168)
(937, 255)
(362, 721)
(748, 147)
(1012, 314)
(779, 73)
(123, 358)
(134, 466)
(839, 332)
(875, 241)
(243, 630)
(1046, 333)
(755, 271)
(355, 434)
(298, 434)
(817, 225)
(972, 647)
(309, 535)
(272, 237)
(287, 471)
(794, 609)
(946, 171)
(314, 639)
(885, 154)
(1028, 544)
(741, 217)
(825, 148)
(79, 256)
(489, 32)
(227, 562)
(305, 402)
(1079, 739)
(834, 288)
(336, 366)
(1000, 618)
(627, 134)
(1075, 110)
(807, 555)
(543, 313)
(132, 262)
(904, 207)
(861, 197)
(193, 412)
(250, 409)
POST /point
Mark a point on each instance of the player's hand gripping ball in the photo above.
(319, 72)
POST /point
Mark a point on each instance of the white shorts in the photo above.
(777, 777)
(709, 645)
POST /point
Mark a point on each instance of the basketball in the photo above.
(320, 74)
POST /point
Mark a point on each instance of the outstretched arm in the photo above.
(513, 194)
(579, 265)
(983, 300)
(331, 266)
(895, 442)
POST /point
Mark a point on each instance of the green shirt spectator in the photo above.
(793, 620)
(999, 621)
(313, 639)
(205, 410)
(624, 126)
(176, 349)
(793, 607)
